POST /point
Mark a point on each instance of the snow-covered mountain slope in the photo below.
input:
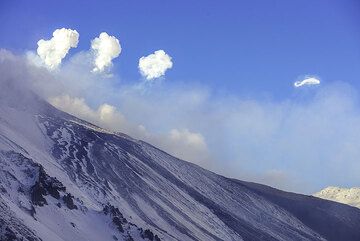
(350, 196)
(62, 178)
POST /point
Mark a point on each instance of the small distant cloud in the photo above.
(105, 48)
(188, 138)
(155, 65)
(307, 81)
(54, 50)
(185, 144)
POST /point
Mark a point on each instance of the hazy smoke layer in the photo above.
(302, 143)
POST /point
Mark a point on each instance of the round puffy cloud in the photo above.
(54, 50)
(105, 48)
(307, 81)
(155, 65)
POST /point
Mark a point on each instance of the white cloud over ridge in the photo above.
(105, 49)
(105, 115)
(52, 51)
(307, 81)
(189, 138)
(184, 141)
(155, 65)
(181, 143)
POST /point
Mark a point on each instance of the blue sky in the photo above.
(243, 46)
(230, 91)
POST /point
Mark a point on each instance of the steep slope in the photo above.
(331, 220)
(62, 178)
(350, 196)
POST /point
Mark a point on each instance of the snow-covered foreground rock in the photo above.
(63, 179)
(350, 196)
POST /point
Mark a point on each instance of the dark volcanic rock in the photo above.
(37, 194)
(69, 201)
(44, 186)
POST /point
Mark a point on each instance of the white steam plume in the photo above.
(105, 48)
(155, 65)
(54, 50)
